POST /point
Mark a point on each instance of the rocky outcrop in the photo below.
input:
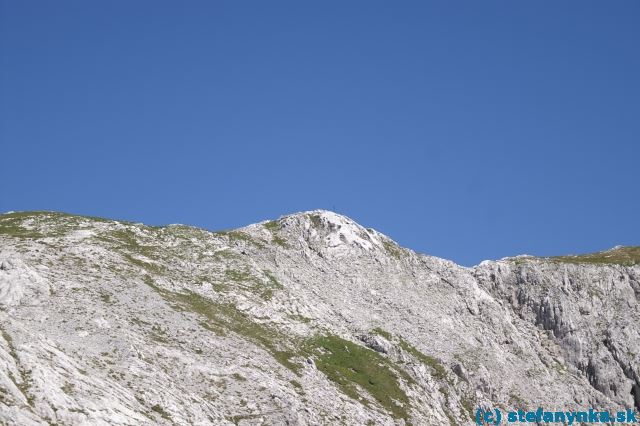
(308, 319)
(591, 312)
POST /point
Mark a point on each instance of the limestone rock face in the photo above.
(20, 284)
(590, 312)
(310, 319)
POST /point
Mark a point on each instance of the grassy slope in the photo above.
(618, 256)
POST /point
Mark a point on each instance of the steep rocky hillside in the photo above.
(308, 319)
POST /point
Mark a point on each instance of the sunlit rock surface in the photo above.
(310, 319)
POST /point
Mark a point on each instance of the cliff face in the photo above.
(310, 319)
(590, 312)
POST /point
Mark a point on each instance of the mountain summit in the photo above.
(309, 319)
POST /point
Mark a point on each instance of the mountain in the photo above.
(310, 319)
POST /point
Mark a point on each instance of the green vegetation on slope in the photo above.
(40, 224)
(12, 227)
(316, 220)
(274, 226)
(352, 366)
(225, 317)
(438, 372)
(437, 369)
(392, 248)
(239, 236)
(626, 256)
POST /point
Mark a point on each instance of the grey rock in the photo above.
(307, 320)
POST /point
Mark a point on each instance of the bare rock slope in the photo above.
(310, 319)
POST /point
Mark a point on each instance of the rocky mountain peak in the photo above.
(306, 319)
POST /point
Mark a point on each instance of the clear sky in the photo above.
(469, 130)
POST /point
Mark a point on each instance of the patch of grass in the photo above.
(447, 412)
(11, 225)
(626, 256)
(158, 409)
(239, 276)
(272, 279)
(272, 225)
(127, 239)
(105, 297)
(25, 376)
(269, 287)
(264, 290)
(438, 370)
(316, 220)
(280, 241)
(68, 388)
(159, 335)
(352, 366)
(240, 236)
(184, 232)
(392, 248)
(239, 377)
(25, 385)
(225, 254)
(55, 223)
(151, 268)
(284, 357)
(7, 337)
(468, 407)
(220, 287)
(299, 318)
(561, 369)
(266, 294)
(239, 417)
(127, 244)
(139, 322)
(16, 231)
(220, 316)
(383, 333)
(297, 386)
(521, 260)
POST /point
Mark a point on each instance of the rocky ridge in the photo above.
(308, 319)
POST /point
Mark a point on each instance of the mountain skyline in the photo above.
(618, 248)
(470, 132)
(306, 319)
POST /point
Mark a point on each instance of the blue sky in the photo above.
(467, 130)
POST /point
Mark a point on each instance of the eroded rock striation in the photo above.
(310, 319)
